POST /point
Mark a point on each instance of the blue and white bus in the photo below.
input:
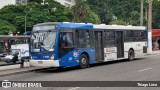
(66, 44)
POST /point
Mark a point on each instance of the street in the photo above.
(144, 69)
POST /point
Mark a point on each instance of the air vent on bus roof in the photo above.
(65, 22)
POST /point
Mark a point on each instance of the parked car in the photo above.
(2, 55)
(12, 57)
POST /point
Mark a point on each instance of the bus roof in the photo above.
(75, 25)
(46, 23)
(67, 25)
(119, 27)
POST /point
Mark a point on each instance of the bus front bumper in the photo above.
(44, 63)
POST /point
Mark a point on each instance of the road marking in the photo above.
(144, 69)
(74, 88)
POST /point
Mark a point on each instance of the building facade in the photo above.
(12, 2)
(67, 3)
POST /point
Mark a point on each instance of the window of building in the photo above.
(67, 5)
(68, 0)
(21, 1)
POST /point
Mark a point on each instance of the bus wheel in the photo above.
(130, 55)
(84, 62)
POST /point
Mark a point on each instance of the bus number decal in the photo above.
(110, 50)
(75, 54)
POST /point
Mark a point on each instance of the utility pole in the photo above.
(141, 18)
(25, 22)
(150, 27)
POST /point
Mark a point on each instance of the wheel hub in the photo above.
(84, 60)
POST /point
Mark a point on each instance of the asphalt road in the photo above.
(144, 69)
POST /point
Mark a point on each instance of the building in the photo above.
(12, 2)
(67, 3)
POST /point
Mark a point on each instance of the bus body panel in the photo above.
(42, 56)
(44, 63)
(136, 46)
(110, 53)
(72, 58)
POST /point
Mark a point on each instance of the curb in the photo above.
(22, 71)
(18, 72)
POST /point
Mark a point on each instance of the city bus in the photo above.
(64, 44)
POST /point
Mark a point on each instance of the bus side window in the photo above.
(87, 38)
(76, 38)
(69, 39)
(82, 35)
(66, 40)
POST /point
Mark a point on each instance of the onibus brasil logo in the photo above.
(8, 84)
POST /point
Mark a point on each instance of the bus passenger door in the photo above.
(65, 43)
(99, 51)
(120, 44)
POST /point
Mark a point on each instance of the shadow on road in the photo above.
(59, 70)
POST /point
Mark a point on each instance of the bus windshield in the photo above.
(43, 40)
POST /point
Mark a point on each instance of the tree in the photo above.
(80, 10)
(91, 18)
(50, 11)
(117, 22)
(6, 27)
(122, 9)
(156, 15)
(103, 8)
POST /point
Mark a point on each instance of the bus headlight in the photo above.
(52, 57)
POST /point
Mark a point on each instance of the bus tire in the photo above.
(130, 55)
(84, 62)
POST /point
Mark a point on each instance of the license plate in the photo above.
(40, 62)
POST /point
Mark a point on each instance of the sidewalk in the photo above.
(156, 52)
(29, 69)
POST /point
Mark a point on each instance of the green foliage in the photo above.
(156, 14)
(103, 8)
(6, 27)
(121, 12)
(91, 18)
(35, 12)
(80, 10)
(126, 10)
(135, 18)
(117, 22)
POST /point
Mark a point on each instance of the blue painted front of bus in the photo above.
(43, 56)
(72, 58)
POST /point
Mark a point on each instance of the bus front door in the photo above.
(120, 44)
(99, 51)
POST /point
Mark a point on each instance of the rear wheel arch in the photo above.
(131, 54)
